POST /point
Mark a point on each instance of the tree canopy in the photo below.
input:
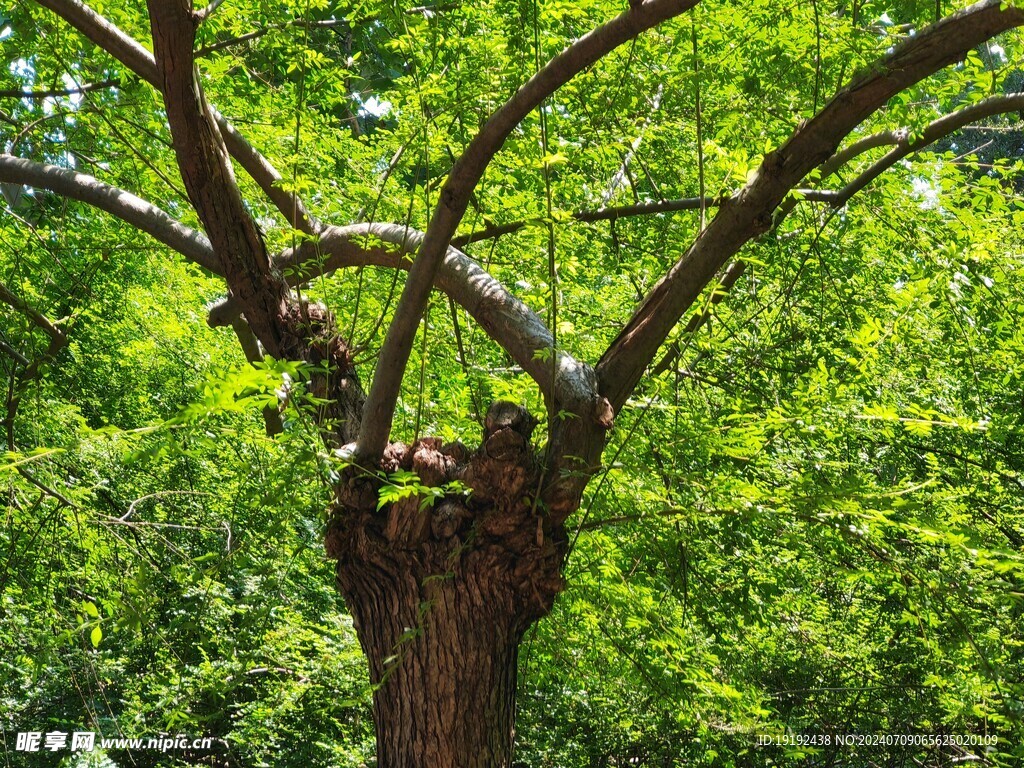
(693, 324)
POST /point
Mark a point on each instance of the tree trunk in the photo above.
(441, 595)
(443, 659)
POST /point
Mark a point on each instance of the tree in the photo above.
(446, 568)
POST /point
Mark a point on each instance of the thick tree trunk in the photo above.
(443, 658)
(441, 595)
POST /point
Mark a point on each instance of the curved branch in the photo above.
(140, 61)
(128, 207)
(256, 34)
(209, 10)
(944, 126)
(940, 128)
(507, 320)
(20, 382)
(936, 130)
(38, 318)
(454, 198)
(749, 213)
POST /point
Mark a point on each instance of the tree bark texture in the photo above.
(441, 595)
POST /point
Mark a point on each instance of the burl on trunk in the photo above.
(441, 594)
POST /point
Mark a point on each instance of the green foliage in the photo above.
(809, 522)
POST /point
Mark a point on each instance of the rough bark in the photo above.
(287, 329)
(441, 595)
(128, 51)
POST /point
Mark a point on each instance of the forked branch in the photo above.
(210, 181)
(454, 198)
(508, 321)
(906, 144)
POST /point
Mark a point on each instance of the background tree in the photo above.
(540, 122)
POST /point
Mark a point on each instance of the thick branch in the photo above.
(464, 176)
(508, 321)
(732, 274)
(126, 206)
(749, 213)
(210, 181)
(837, 199)
(14, 354)
(140, 61)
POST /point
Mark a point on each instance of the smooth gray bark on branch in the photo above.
(454, 198)
(141, 214)
(749, 212)
(507, 320)
(140, 61)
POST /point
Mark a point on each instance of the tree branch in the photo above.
(126, 206)
(19, 382)
(14, 354)
(37, 318)
(508, 321)
(940, 128)
(256, 34)
(140, 61)
(513, 325)
(626, 211)
(837, 199)
(209, 10)
(210, 181)
(732, 274)
(463, 178)
(57, 92)
(206, 50)
(749, 212)
(251, 348)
